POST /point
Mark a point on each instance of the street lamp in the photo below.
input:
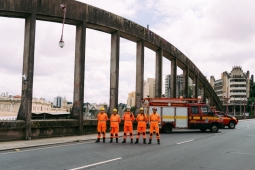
(61, 42)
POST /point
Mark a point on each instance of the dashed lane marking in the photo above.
(103, 162)
(185, 141)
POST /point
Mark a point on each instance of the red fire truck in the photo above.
(183, 113)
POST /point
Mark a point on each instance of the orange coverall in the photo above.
(101, 125)
(154, 120)
(128, 124)
(115, 120)
(141, 126)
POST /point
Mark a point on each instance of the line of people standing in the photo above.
(128, 118)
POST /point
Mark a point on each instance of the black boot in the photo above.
(131, 141)
(158, 141)
(117, 140)
(137, 140)
(98, 140)
(104, 140)
(144, 141)
(111, 140)
(124, 141)
(149, 141)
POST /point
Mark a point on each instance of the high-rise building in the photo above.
(179, 85)
(236, 86)
(149, 88)
(131, 99)
(57, 102)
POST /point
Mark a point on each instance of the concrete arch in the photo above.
(86, 16)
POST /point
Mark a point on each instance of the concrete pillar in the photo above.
(114, 71)
(158, 73)
(195, 87)
(173, 78)
(210, 101)
(28, 73)
(139, 74)
(185, 82)
(79, 71)
(203, 97)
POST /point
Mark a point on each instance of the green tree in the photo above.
(190, 92)
(252, 92)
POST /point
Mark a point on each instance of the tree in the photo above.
(190, 92)
(252, 92)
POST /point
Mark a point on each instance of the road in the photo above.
(182, 150)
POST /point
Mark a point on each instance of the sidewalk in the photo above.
(12, 145)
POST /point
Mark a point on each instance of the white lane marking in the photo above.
(96, 163)
(217, 134)
(42, 148)
(185, 141)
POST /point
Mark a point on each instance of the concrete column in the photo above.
(203, 97)
(210, 101)
(79, 71)
(185, 82)
(173, 78)
(139, 74)
(195, 88)
(28, 73)
(158, 73)
(114, 71)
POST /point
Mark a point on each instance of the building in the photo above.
(149, 88)
(131, 99)
(9, 105)
(57, 102)
(179, 85)
(233, 89)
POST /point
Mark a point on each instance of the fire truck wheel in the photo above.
(203, 130)
(167, 128)
(214, 128)
(231, 125)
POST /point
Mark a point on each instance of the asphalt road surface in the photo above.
(230, 149)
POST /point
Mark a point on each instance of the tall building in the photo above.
(179, 85)
(149, 88)
(57, 102)
(131, 99)
(236, 86)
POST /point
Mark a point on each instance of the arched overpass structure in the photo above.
(86, 16)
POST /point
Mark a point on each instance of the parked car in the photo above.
(228, 120)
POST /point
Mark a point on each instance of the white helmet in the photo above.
(128, 107)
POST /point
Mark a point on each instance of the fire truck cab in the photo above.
(180, 113)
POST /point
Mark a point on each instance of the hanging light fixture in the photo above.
(61, 42)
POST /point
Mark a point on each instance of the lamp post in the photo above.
(63, 8)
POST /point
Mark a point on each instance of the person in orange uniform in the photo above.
(128, 118)
(154, 120)
(141, 126)
(114, 120)
(101, 125)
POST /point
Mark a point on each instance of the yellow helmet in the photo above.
(141, 109)
(101, 109)
(114, 110)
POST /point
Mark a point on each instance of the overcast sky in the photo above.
(215, 34)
